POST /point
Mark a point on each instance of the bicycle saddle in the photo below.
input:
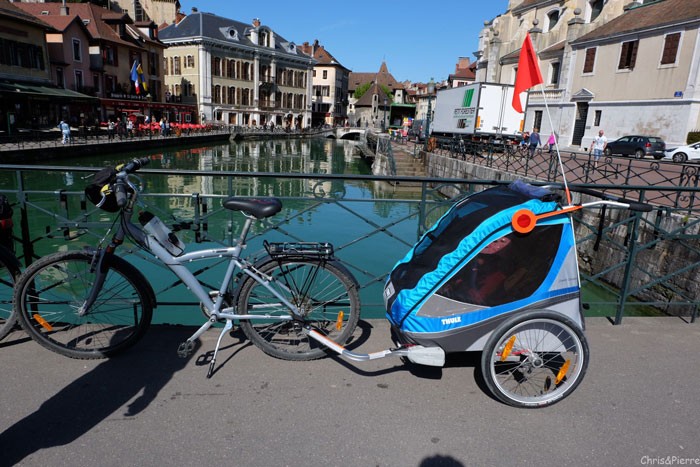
(256, 207)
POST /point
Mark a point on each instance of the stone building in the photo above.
(372, 95)
(329, 96)
(236, 73)
(625, 67)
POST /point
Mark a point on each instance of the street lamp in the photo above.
(384, 117)
(431, 90)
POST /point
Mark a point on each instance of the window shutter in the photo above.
(589, 61)
(670, 48)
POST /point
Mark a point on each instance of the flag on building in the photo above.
(528, 74)
(142, 78)
(135, 77)
(138, 77)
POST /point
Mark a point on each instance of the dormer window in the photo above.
(230, 33)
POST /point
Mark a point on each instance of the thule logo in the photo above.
(455, 320)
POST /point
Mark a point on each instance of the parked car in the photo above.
(637, 146)
(684, 153)
(417, 131)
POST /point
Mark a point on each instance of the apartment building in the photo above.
(110, 45)
(329, 95)
(237, 73)
(625, 67)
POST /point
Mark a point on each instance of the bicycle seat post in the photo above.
(246, 228)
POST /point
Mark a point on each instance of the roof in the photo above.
(210, 26)
(94, 17)
(320, 54)
(10, 10)
(381, 77)
(647, 16)
(367, 98)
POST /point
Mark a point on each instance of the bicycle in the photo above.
(94, 304)
(9, 272)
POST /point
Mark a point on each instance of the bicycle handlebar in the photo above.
(120, 182)
(631, 205)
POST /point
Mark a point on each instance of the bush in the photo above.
(693, 137)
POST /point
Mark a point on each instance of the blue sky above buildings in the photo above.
(418, 40)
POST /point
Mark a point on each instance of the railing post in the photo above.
(27, 246)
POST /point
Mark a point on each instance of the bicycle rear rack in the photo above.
(314, 250)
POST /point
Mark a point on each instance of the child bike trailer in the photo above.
(484, 279)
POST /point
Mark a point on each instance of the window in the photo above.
(538, 119)
(325, 74)
(554, 70)
(671, 42)
(109, 55)
(176, 65)
(628, 55)
(589, 60)
(77, 52)
(598, 115)
(60, 80)
(189, 61)
(96, 82)
(552, 19)
(595, 7)
(78, 80)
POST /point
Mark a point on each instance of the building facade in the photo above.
(624, 67)
(329, 95)
(236, 73)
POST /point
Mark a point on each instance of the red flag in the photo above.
(528, 74)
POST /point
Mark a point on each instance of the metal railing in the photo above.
(632, 263)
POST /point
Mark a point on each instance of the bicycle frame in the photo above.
(176, 264)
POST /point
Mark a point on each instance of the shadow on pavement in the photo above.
(90, 399)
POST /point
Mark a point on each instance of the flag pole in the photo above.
(556, 147)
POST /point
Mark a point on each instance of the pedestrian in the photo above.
(110, 129)
(129, 128)
(534, 141)
(600, 142)
(65, 131)
(551, 142)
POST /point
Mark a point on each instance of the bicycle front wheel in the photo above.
(50, 295)
(325, 294)
(9, 271)
(535, 359)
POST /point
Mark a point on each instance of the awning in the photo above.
(18, 89)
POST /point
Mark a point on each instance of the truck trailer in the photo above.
(478, 111)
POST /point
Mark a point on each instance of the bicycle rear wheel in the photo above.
(325, 293)
(535, 359)
(9, 272)
(50, 293)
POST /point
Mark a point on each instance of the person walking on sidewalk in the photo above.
(534, 141)
(65, 131)
(599, 144)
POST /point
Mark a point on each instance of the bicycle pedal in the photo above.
(185, 349)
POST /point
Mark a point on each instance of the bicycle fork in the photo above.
(100, 268)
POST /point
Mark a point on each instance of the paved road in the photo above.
(638, 403)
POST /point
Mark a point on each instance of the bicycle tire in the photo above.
(9, 272)
(321, 289)
(535, 359)
(51, 290)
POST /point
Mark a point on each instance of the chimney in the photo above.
(194, 9)
(256, 22)
(64, 10)
(313, 49)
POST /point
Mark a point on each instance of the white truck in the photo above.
(481, 111)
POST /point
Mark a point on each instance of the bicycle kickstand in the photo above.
(227, 327)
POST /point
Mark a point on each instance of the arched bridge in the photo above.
(343, 132)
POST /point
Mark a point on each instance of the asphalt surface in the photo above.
(637, 405)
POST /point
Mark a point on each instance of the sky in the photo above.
(417, 40)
